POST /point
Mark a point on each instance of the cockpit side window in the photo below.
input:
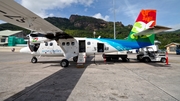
(63, 43)
(46, 44)
(34, 47)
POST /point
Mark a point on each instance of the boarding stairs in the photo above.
(81, 59)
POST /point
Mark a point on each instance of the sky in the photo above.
(126, 11)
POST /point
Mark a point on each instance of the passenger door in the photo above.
(82, 46)
(100, 47)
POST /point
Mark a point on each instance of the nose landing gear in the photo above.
(34, 60)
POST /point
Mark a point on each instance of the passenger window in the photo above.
(51, 44)
(46, 44)
(67, 43)
(63, 43)
(88, 43)
(72, 43)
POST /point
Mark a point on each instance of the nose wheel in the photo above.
(34, 60)
(64, 63)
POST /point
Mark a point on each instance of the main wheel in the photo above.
(125, 59)
(163, 60)
(146, 59)
(108, 59)
(64, 63)
(115, 58)
(75, 59)
(138, 57)
(34, 60)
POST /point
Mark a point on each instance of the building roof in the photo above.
(9, 32)
(173, 43)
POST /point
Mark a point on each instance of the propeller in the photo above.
(58, 35)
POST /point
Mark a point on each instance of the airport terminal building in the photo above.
(172, 48)
(10, 38)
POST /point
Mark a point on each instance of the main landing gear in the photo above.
(64, 63)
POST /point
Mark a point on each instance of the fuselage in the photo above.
(72, 47)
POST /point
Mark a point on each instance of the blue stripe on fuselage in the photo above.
(121, 45)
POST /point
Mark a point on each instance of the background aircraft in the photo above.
(47, 37)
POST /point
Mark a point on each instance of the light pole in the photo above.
(114, 20)
(94, 33)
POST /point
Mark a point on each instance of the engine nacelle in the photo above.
(38, 39)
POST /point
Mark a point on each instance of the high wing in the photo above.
(154, 30)
(14, 13)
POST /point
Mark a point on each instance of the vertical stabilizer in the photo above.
(145, 20)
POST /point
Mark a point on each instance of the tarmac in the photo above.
(46, 80)
(10, 49)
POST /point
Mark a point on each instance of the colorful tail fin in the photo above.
(145, 20)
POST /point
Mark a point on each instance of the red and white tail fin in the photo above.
(145, 20)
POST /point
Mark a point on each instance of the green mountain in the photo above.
(168, 37)
(84, 26)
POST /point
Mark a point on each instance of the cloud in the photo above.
(99, 16)
(174, 27)
(51, 15)
(85, 9)
(40, 7)
(1, 22)
(130, 10)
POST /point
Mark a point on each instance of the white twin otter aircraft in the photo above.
(48, 40)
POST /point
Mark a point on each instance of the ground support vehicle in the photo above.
(114, 56)
(148, 56)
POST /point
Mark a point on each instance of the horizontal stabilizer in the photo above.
(153, 30)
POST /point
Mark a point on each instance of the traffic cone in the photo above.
(104, 57)
(167, 61)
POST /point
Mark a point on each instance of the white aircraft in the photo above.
(50, 40)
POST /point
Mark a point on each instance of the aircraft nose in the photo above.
(25, 50)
